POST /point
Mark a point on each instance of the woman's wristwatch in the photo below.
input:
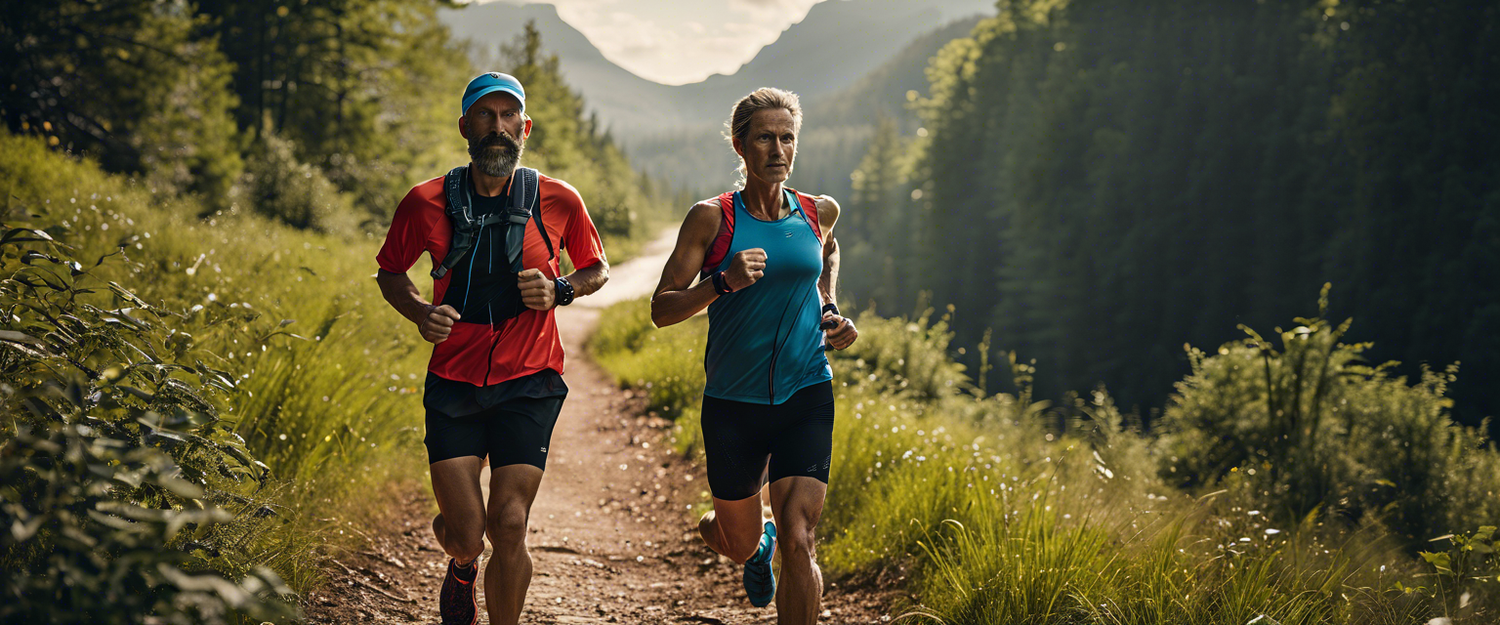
(830, 307)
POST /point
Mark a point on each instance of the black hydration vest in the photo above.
(480, 293)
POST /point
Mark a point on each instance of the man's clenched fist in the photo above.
(538, 292)
(438, 323)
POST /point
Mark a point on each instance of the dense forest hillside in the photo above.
(322, 113)
(1102, 182)
(838, 127)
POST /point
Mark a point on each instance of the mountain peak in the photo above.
(836, 43)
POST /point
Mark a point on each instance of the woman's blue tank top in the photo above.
(764, 342)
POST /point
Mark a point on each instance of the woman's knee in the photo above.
(738, 543)
(798, 538)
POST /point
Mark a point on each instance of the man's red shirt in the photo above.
(521, 346)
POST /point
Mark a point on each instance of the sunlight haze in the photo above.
(680, 41)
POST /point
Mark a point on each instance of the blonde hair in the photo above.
(738, 126)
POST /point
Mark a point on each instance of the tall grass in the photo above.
(1001, 509)
(325, 375)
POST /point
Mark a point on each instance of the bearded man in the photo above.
(494, 232)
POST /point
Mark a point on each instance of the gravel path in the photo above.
(613, 535)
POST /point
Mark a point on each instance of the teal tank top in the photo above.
(764, 343)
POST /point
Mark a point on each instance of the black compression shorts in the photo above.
(739, 438)
(516, 431)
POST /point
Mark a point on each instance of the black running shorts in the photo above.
(795, 436)
(515, 432)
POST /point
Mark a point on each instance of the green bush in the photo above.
(279, 186)
(93, 539)
(1312, 426)
(124, 491)
(909, 357)
(1466, 575)
(327, 377)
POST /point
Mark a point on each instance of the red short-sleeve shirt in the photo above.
(526, 344)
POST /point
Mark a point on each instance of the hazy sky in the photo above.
(680, 41)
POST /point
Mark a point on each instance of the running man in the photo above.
(767, 266)
(494, 385)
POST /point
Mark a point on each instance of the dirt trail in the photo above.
(613, 535)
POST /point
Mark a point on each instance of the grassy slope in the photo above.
(997, 513)
(334, 410)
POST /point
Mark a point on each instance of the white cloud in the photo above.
(681, 41)
(788, 5)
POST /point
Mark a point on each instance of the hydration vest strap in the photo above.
(525, 204)
(455, 187)
(720, 246)
(809, 206)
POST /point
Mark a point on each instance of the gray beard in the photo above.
(497, 163)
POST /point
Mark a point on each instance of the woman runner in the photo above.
(766, 266)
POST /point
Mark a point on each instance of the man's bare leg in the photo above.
(507, 576)
(459, 525)
(797, 504)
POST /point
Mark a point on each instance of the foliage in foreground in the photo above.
(1001, 509)
(121, 481)
(325, 378)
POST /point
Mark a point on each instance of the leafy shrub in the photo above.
(119, 475)
(909, 357)
(277, 185)
(1466, 576)
(92, 537)
(1312, 426)
(327, 376)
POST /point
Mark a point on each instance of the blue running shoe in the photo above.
(760, 580)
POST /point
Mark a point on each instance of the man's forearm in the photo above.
(403, 295)
(589, 279)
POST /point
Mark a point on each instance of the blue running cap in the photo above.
(490, 82)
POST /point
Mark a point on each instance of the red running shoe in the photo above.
(456, 602)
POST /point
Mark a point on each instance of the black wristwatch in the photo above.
(564, 291)
(830, 307)
(721, 284)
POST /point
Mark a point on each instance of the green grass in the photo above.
(328, 377)
(327, 374)
(999, 509)
(665, 364)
